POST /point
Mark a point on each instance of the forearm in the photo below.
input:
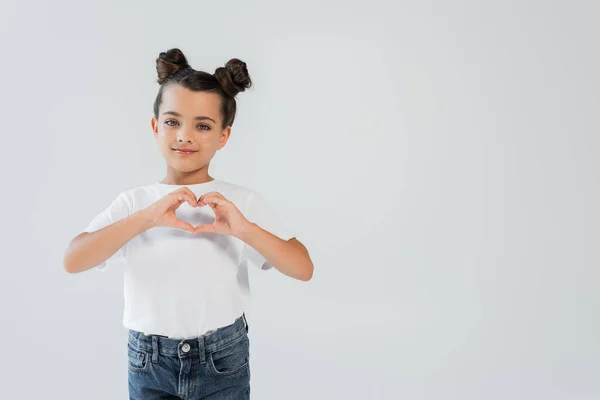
(88, 250)
(290, 258)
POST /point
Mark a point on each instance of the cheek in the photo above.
(164, 139)
(163, 143)
(162, 134)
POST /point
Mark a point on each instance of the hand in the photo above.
(162, 212)
(228, 219)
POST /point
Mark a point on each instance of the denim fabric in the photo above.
(214, 366)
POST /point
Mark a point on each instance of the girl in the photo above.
(186, 242)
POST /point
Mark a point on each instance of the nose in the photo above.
(183, 135)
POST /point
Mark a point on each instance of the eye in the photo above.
(172, 122)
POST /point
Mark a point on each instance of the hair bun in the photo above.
(168, 63)
(234, 77)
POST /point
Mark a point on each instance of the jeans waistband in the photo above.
(199, 345)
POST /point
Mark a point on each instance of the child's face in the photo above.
(184, 130)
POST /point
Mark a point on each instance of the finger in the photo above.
(191, 199)
(203, 196)
(184, 225)
(212, 199)
(191, 195)
(182, 196)
(204, 228)
(211, 194)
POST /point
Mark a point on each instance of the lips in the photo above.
(184, 151)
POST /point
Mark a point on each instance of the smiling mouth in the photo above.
(185, 152)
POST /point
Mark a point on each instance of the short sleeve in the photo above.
(119, 209)
(260, 212)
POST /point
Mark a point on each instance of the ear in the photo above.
(154, 125)
(224, 137)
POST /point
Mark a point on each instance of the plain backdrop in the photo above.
(439, 159)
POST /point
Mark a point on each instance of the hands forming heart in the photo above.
(228, 219)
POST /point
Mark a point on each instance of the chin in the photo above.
(185, 166)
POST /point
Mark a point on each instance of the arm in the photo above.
(88, 250)
(290, 257)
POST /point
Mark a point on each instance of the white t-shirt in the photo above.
(180, 284)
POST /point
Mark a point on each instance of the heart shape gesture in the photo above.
(228, 219)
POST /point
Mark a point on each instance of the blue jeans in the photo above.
(215, 366)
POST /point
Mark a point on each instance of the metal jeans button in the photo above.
(185, 348)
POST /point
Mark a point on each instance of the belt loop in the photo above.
(136, 336)
(245, 321)
(154, 349)
(201, 349)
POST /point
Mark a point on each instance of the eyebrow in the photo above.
(200, 118)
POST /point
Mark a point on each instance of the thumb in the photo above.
(183, 225)
(204, 228)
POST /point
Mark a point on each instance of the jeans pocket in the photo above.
(232, 358)
(137, 359)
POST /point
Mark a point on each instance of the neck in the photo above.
(175, 177)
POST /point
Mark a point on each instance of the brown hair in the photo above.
(227, 82)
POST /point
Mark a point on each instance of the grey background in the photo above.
(438, 159)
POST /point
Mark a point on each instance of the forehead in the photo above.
(190, 103)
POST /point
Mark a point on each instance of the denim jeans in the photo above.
(214, 366)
